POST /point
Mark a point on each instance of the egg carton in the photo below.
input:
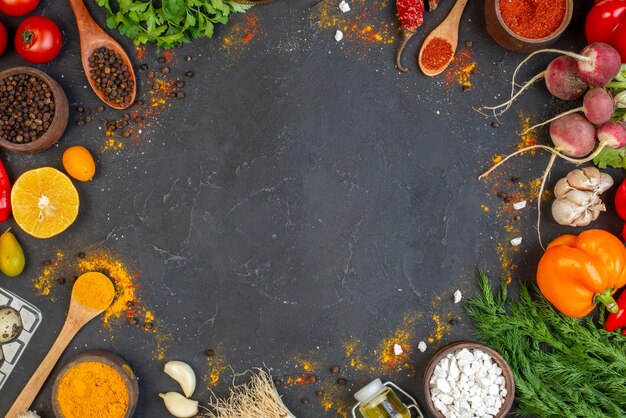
(31, 318)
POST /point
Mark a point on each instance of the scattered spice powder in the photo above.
(529, 138)
(360, 27)
(436, 54)
(533, 19)
(300, 379)
(48, 277)
(217, 365)
(403, 336)
(240, 35)
(442, 327)
(462, 67)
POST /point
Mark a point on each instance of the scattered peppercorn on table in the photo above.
(279, 198)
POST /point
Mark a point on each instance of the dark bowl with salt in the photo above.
(33, 110)
(515, 27)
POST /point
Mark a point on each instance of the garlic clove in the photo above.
(178, 405)
(566, 212)
(183, 374)
(583, 179)
(606, 182)
(561, 188)
(580, 197)
(584, 219)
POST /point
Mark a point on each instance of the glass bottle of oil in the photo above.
(379, 401)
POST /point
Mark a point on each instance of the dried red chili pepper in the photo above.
(411, 15)
(432, 4)
(5, 194)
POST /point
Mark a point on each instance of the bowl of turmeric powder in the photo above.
(95, 384)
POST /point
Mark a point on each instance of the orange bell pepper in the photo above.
(577, 272)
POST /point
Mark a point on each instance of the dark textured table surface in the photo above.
(304, 206)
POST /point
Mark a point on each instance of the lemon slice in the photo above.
(45, 202)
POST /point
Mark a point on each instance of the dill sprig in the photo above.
(563, 367)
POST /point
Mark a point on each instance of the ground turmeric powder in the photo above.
(92, 390)
(94, 290)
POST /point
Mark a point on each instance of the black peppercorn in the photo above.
(495, 124)
(144, 67)
(189, 74)
(150, 75)
(341, 381)
(188, 58)
(319, 393)
(130, 303)
(305, 401)
(61, 280)
(27, 109)
(133, 321)
(469, 44)
(165, 70)
(148, 326)
(81, 255)
(277, 382)
(209, 352)
(80, 122)
(161, 60)
(334, 369)
(111, 75)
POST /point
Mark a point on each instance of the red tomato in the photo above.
(3, 38)
(606, 22)
(620, 200)
(38, 39)
(18, 7)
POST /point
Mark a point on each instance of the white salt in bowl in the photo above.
(453, 348)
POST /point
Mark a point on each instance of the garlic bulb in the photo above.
(183, 374)
(178, 405)
(577, 196)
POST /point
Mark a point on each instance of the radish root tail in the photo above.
(578, 109)
(546, 173)
(576, 161)
(509, 102)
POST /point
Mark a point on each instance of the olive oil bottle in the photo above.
(379, 401)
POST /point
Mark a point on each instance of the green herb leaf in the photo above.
(168, 22)
(609, 157)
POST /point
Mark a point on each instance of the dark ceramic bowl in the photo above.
(514, 42)
(106, 357)
(59, 121)
(443, 352)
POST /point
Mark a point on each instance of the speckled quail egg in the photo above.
(10, 324)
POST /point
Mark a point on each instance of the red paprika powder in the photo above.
(436, 54)
(533, 19)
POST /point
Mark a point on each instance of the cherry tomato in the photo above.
(3, 38)
(606, 22)
(38, 39)
(18, 7)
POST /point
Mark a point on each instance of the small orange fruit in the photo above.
(79, 163)
(45, 202)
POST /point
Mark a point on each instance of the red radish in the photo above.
(612, 135)
(601, 66)
(597, 64)
(562, 79)
(573, 135)
(598, 107)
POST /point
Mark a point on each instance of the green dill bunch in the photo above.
(563, 367)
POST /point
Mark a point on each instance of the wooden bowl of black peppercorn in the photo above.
(33, 110)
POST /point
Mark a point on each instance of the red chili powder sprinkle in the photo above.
(436, 54)
(533, 19)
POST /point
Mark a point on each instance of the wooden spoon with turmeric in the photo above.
(92, 294)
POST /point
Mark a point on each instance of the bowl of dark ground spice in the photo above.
(527, 25)
(33, 110)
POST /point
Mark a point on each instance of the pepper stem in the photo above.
(607, 300)
(406, 35)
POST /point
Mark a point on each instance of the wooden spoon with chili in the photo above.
(438, 48)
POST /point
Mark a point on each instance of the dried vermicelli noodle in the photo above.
(256, 399)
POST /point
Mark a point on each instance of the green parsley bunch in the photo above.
(168, 22)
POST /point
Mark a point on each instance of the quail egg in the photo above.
(10, 324)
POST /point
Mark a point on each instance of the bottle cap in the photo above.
(369, 391)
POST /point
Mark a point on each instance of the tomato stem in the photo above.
(28, 38)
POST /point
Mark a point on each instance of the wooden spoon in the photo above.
(77, 317)
(447, 30)
(93, 37)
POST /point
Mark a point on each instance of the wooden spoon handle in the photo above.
(32, 388)
(457, 12)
